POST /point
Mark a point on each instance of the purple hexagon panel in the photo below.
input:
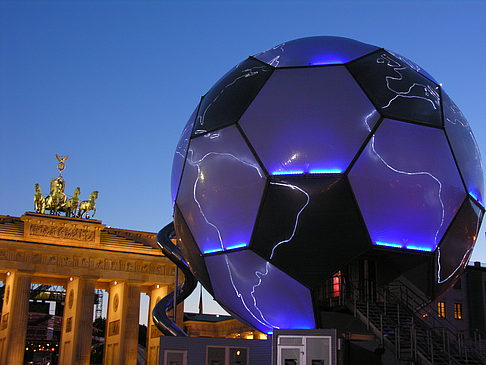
(220, 191)
(261, 294)
(302, 122)
(180, 156)
(465, 148)
(407, 186)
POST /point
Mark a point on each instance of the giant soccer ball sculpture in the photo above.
(312, 155)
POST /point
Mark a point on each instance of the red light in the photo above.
(336, 285)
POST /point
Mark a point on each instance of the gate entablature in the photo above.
(81, 255)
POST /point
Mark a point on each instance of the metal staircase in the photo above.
(400, 318)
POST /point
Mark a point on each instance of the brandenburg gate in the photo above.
(81, 255)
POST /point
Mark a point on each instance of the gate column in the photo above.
(121, 334)
(15, 315)
(77, 322)
(156, 293)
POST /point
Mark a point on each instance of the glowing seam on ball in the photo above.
(256, 167)
(405, 94)
(410, 174)
(249, 72)
(464, 258)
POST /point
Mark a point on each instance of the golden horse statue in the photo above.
(71, 206)
(88, 205)
(56, 198)
(39, 200)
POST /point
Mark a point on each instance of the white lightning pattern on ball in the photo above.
(409, 173)
(197, 164)
(430, 95)
(464, 259)
(259, 274)
(246, 73)
(276, 60)
(464, 124)
(466, 255)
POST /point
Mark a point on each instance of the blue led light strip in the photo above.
(234, 247)
(328, 59)
(397, 245)
(418, 248)
(213, 251)
(313, 171)
(239, 245)
(474, 196)
(325, 171)
(388, 244)
(290, 172)
(325, 63)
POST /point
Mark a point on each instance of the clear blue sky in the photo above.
(112, 83)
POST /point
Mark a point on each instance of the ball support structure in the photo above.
(313, 155)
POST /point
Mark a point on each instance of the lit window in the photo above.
(457, 310)
(336, 284)
(441, 310)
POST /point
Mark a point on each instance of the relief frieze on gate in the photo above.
(83, 262)
(62, 232)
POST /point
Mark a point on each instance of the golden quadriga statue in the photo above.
(57, 201)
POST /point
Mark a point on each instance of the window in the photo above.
(441, 310)
(457, 310)
(336, 285)
(175, 357)
(227, 355)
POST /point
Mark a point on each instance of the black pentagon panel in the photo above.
(226, 101)
(413, 268)
(413, 65)
(397, 90)
(309, 227)
(190, 250)
(455, 249)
